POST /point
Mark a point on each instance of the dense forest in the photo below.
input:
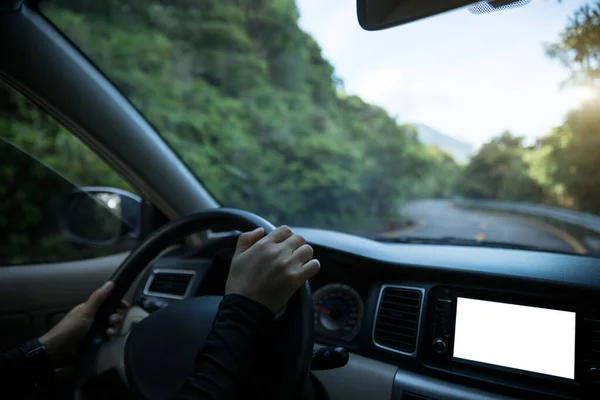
(248, 101)
(255, 110)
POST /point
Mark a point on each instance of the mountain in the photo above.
(461, 151)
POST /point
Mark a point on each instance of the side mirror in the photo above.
(101, 216)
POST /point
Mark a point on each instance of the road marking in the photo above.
(564, 236)
(404, 231)
(483, 226)
(480, 237)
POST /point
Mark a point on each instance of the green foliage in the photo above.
(26, 126)
(579, 46)
(443, 166)
(574, 157)
(562, 168)
(247, 100)
(32, 197)
(571, 150)
(500, 171)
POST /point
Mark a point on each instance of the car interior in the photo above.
(381, 320)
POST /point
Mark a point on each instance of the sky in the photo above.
(468, 76)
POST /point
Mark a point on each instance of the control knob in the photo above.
(439, 346)
(593, 374)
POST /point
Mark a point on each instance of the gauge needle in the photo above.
(323, 310)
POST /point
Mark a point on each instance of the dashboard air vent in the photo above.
(170, 283)
(397, 319)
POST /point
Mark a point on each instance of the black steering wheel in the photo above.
(157, 355)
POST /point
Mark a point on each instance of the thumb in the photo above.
(248, 239)
(98, 297)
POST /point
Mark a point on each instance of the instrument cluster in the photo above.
(338, 311)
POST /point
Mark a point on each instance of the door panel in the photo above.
(34, 297)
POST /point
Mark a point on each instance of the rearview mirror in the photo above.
(380, 14)
(101, 216)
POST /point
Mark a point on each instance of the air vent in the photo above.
(173, 284)
(397, 319)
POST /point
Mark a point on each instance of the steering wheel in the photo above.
(157, 355)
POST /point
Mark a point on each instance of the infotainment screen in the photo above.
(527, 338)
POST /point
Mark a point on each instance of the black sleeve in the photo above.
(226, 367)
(23, 377)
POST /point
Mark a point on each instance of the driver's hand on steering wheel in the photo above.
(270, 269)
(62, 341)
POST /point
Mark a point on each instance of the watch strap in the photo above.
(33, 349)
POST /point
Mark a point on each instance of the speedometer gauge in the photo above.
(338, 311)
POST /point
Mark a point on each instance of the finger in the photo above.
(308, 270)
(115, 319)
(111, 333)
(98, 297)
(124, 305)
(280, 234)
(303, 254)
(294, 242)
(248, 239)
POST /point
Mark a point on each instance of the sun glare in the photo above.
(581, 93)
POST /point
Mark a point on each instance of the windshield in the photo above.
(480, 127)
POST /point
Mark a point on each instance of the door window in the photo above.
(42, 167)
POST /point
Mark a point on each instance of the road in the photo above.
(439, 218)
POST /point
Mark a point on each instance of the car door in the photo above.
(58, 241)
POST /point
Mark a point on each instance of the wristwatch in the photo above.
(33, 348)
(34, 352)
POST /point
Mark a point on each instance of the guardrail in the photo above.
(581, 219)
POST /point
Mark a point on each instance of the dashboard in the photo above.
(465, 322)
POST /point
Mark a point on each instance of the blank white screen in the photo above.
(528, 338)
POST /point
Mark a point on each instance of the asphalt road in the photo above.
(439, 218)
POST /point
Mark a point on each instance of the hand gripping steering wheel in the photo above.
(158, 354)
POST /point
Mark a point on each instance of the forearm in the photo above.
(226, 366)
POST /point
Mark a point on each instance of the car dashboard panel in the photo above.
(444, 322)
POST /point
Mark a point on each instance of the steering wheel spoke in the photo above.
(96, 362)
(111, 356)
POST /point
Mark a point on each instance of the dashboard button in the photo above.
(593, 374)
(439, 346)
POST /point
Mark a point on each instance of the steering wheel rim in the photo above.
(297, 322)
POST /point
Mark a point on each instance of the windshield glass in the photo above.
(480, 127)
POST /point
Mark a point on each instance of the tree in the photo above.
(573, 156)
(499, 171)
(248, 101)
(572, 160)
(579, 46)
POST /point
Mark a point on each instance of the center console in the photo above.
(546, 345)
